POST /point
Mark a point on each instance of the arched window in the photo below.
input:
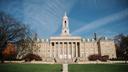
(65, 23)
(65, 31)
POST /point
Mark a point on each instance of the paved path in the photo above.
(65, 68)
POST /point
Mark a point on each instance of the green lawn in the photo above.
(57, 68)
(30, 68)
(98, 68)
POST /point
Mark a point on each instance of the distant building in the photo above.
(70, 48)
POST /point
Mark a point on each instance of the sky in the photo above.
(44, 17)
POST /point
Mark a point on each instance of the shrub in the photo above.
(93, 57)
(104, 58)
(30, 57)
(117, 59)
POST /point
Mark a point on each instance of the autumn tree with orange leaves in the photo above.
(10, 51)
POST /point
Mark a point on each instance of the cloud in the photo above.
(45, 17)
(103, 21)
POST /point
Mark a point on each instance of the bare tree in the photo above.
(28, 45)
(122, 46)
(10, 31)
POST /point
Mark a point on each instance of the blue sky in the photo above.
(105, 17)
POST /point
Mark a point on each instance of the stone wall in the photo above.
(108, 48)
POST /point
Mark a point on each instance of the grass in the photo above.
(30, 68)
(57, 68)
(98, 68)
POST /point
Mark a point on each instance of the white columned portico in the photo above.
(65, 46)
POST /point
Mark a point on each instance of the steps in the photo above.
(69, 61)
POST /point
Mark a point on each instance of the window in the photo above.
(65, 31)
(52, 44)
(65, 22)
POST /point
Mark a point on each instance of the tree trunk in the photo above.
(2, 58)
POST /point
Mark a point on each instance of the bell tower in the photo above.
(65, 27)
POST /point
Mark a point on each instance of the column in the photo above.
(72, 49)
(68, 50)
(50, 50)
(58, 47)
(45, 50)
(61, 53)
(63, 50)
(76, 49)
(79, 49)
(54, 50)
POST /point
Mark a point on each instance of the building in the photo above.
(73, 48)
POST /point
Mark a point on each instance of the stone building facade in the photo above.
(70, 48)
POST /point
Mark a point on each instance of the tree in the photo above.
(9, 52)
(30, 57)
(122, 46)
(10, 31)
(26, 46)
(117, 40)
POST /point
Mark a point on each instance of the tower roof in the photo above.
(65, 15)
